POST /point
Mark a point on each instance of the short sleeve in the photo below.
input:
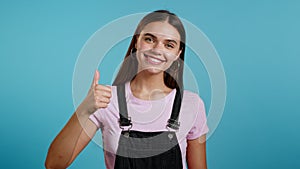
(96, 118)
(199, 127)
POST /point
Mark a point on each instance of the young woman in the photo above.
(146, 118)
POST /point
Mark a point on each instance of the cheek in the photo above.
(172, 56)
(143, 46)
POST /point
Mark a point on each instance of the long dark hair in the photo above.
(173, 76)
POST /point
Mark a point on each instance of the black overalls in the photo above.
(147, 150)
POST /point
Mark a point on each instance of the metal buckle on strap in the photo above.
(173, 125)
(127, 126)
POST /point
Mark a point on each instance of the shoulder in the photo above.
(192, 115)
(192, 98)
(114, 91)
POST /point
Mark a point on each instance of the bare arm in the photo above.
(79, 130)
(69, 142)
(196, 153)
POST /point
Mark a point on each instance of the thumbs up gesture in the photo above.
(97, 97)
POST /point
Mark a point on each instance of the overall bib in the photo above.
(148, 150)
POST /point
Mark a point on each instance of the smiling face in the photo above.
(158, 46)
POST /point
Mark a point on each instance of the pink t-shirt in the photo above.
(150, 116)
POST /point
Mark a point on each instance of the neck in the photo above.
(149, 86)
(147, 81)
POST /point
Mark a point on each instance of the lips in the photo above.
(153, 60)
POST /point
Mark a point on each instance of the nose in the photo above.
(157, 48)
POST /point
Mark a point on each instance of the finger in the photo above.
(103, 93)
(101, 105)
(103, 88)
(101, 98)
(96, 78)
(104, 100)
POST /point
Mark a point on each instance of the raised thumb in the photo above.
(96, 78)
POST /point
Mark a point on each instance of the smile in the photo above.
(154, 60)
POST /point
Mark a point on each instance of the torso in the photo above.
(147, 116)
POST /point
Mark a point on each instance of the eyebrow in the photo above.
(153, 36)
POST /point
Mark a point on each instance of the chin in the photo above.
(152, 70)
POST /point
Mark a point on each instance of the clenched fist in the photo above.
(97, 97)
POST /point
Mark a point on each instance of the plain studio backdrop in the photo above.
(257, 41)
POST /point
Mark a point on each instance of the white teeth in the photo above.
(154, 60)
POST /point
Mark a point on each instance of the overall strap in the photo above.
(124, 119)
(123, 112)
(173, 121)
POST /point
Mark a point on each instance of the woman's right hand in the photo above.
(98, 97)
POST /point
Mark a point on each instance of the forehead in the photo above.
(162, 30)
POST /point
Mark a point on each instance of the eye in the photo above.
(170, 45)
(148, 39)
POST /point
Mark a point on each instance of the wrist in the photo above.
(81, 112)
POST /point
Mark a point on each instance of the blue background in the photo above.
(258, 43)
